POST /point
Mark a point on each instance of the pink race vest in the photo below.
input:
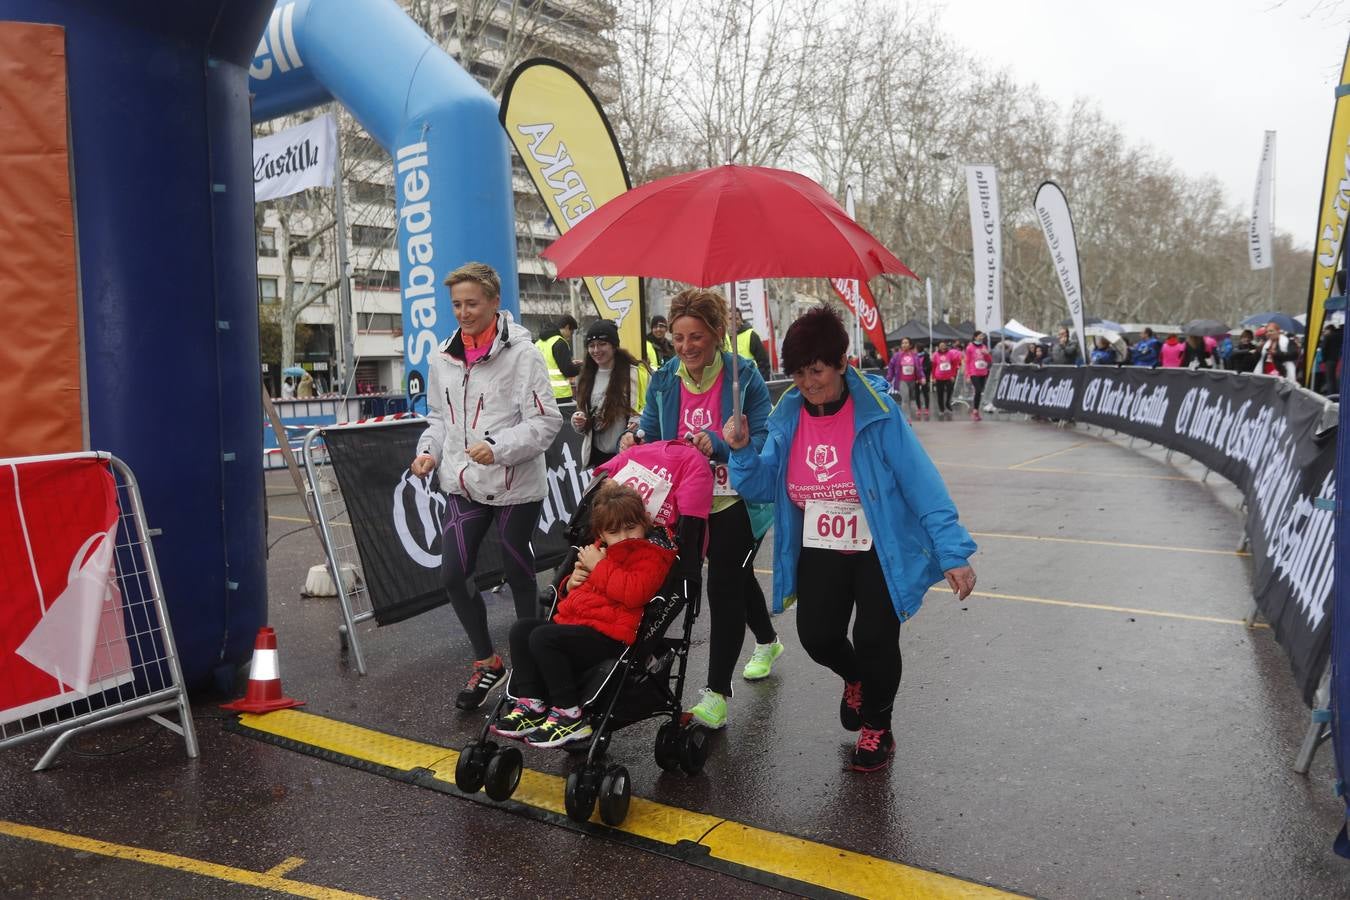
(909, 366)
(820, 466)
(701, 411)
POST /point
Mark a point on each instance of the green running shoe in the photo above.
(761, 660)
(711, 710)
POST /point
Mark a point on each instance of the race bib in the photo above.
(833, 525)
(981, 364)
(944, 366)
(908, 370)
(722, 481)
(650, 486)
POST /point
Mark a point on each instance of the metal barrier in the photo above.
(133, 671)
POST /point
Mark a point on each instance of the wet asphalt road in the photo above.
(1048, 748)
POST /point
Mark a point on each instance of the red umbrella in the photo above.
(725, 224)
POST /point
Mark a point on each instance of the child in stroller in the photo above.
(640, 674)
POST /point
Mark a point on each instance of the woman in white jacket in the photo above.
(490, 417)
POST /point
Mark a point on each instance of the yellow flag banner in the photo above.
(1331, 222)
(570, 151)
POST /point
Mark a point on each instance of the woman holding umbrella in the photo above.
(690, 398)
(861, 519)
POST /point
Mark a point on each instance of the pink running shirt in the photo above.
(820, 464)
(700, 411)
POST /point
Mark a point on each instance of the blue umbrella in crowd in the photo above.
(1285, 321)
(293, 371)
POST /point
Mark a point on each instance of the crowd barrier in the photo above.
(301, 416)
(85, 640)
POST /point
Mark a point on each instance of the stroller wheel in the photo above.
(503, 774)
(693, 750)
(579, 793)
(615, 792)
(668, 746)
(472, 765)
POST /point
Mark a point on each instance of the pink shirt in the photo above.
(909, 367)
(1171, 354)
(951, 359)
(978, 359)
(820, 465)
(701, 411)
(679, 463)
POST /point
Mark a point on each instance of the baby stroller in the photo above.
(645, 682)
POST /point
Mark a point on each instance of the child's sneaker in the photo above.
(710, 710)
(486, 675)
(874, 749)
(761, 660)
(560, 728)
(525, 718)
(850, 707)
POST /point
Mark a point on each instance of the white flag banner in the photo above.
(1259, 248)
(290, 161)
(986, 235)
(1052, 211)
(752, 301)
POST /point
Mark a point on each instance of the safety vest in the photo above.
(742, 344)
(556, 379)
(653, 360)
(643, 377)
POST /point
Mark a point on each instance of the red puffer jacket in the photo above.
(612, 598)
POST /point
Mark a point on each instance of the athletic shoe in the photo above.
(850, 707)
(874, 749)
(560, 728)
(483, 679)
(761, 660)
(711, 710)
(522, 720)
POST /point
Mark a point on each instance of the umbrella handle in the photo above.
(735, 396)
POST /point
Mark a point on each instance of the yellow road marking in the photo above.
(1026, 462)
(1117, 609)
(287, 865)
(1062, 540)
(728, 841)
(265, 880)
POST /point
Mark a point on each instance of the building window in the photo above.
(298, 292)
(300, 246)
(372, 236)
(267, 290)
(372, 192)
(387, 323)
(267, 242)
(376, 280)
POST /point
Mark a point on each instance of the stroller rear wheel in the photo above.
(503, 774)
(615, 792)
(472, 765)
(668, 746)
(693, 749)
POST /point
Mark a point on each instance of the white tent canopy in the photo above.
(1014, 328)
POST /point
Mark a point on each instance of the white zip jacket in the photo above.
(503, 399)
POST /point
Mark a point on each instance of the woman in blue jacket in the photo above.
(861, 519)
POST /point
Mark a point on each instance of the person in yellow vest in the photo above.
(556, 345)
(748, 345)
(658, 349)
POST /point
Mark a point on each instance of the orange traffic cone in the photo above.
(264, 679)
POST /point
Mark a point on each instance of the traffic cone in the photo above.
(264, 679)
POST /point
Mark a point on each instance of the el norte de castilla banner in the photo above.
(569, 149)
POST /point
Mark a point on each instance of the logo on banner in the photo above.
(821, 459)
(417, 513)
(277, 45)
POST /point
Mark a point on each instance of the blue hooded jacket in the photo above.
(912, 518)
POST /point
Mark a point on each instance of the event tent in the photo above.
(1016, 330)
(918, 331)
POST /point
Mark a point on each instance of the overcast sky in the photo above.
(1199, 80)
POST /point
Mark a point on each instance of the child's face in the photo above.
(610, 538)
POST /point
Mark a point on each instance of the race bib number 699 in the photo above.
(832, 525)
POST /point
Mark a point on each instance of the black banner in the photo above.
(396, 517)
(1260, 433)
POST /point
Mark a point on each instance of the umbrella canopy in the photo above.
(1284, 320)
(294, 371)
(1204, 328)
(1015, 329)
(724, 224)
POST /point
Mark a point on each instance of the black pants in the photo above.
(944, 394)
(462, 532)
(918, 394)
(978, 381)
(546, 659)
(735, 598)
(830, 585)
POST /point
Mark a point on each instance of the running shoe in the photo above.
(560, 728)
(874, 750)
(761, 660)
(710, 710)
(850, 707)
(484, 678)
(523, 719)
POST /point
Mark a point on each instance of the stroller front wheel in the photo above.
(580, 792)
(668, 746)
(615, 792)
(693, 749)
(472, 765)
(503, 774)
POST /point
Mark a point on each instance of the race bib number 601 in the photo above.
(832, 525)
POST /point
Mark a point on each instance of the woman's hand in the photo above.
(422, 465)
(628, 440)
(736, 432)
(962, 581)
(701, 442)
(480, 453)
(579, 420)
(590, 556)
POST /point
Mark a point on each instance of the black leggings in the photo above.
(462, 532)
(918, 394)
(546, 659)
(829, 585)
(943, 387)
(735, 598)
(978, 381)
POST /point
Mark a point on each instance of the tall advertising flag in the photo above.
(752, 301)
(290, 161)
(986, 236)
(1052, 211)
(858, 297)
(569, 149)
(1259, 249)
(1331, 221)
